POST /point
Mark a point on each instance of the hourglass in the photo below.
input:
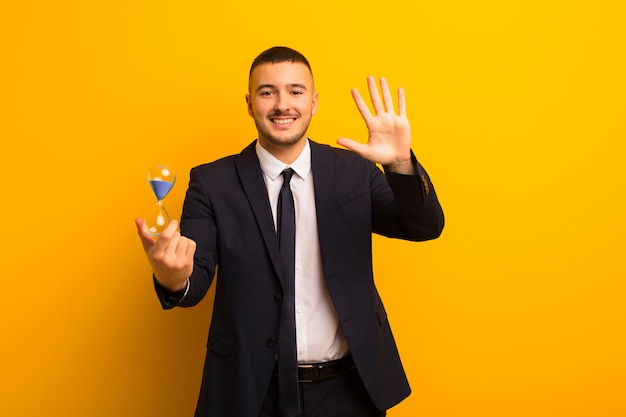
(161, 180)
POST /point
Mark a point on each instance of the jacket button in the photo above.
(278, 297)
(270, 343)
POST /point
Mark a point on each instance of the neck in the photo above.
(286, 154)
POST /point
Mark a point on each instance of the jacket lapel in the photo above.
(323, 171)
(251, 177)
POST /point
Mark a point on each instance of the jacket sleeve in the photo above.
(197, 223)
(406, 206)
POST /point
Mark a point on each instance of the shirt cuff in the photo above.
(176, 296)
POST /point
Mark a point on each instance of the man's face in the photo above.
(281, 100)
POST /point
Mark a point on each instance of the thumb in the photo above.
(354, 146)
(360, 149)
(144, 234)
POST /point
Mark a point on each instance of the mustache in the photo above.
(282, 114)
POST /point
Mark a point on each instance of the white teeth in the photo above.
(283, 121)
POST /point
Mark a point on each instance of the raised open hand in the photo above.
(389, 141)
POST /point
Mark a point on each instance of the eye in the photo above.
(297, 92)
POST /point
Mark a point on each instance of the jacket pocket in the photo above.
(219, 344)
(349, 197)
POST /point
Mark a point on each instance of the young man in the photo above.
(298, 328)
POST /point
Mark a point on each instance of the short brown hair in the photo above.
(279, 54)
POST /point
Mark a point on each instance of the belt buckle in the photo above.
(308, 372)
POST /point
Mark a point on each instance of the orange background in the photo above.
(517, 109)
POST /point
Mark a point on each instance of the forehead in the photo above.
(281, 74)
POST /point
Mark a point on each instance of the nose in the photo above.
(282, 102)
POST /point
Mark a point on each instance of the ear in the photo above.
(249, 105)
(314, 104)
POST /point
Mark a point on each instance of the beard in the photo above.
(284, 140)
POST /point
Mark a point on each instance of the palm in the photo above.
(389, 140)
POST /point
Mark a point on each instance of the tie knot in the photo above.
(287, 174)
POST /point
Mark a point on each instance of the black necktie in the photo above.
(288, 387)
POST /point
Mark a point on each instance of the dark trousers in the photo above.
(339, 396)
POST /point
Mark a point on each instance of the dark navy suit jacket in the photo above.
(227, 213)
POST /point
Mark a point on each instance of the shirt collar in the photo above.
(272, 167)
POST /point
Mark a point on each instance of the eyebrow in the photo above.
(292, 85)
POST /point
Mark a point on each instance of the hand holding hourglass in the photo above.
(161, 180)
(172, 255)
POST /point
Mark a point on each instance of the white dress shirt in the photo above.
(319, 336)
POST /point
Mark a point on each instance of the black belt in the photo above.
(309, 372)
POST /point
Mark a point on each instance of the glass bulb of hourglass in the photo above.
(157, 219)
(161, 179)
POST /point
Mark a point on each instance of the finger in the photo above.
(361, 105)
(401, 102)
(142, 227)
(168, 238)
(144, 234)
(190, 250)
(171, 228)
(374, 96)
(182, 256)
(172, 244)
(182, 243)
(388, 100)
(356, 147)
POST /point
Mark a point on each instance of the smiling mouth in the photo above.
(283, 121)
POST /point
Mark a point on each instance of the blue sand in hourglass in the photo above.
(161, 188)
